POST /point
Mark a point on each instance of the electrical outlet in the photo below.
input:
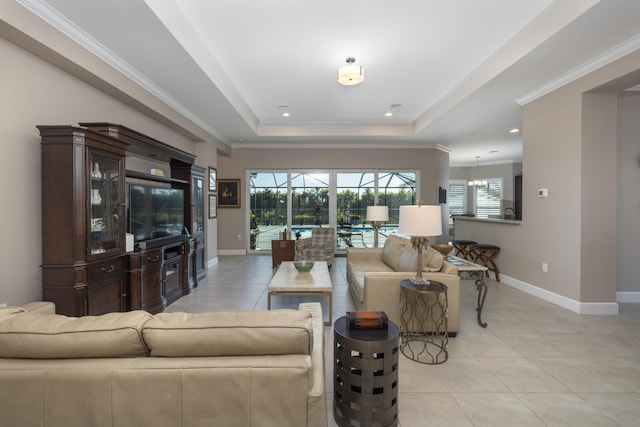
(239, 237)
(545, 267)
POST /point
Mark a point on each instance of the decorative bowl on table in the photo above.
(303, 266)
(444, 249)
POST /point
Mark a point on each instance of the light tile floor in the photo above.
(536, 364)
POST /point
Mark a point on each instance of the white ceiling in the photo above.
(457, 67)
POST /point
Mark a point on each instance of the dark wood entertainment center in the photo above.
(85, 267)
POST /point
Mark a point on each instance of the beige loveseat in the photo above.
(233, 368)
(374, 276)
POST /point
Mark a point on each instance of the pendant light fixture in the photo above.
(351, 74)
(477, 182)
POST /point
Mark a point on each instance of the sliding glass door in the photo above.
(297, 201)
(268, 207)
(309, 201)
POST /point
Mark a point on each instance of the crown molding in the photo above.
(590, 66)
(58, 21)
(335, 145)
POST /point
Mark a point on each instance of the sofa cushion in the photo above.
(230, 333)
(369, 266)
(52, 336)
(392, 250)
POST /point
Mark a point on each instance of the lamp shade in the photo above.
(377, 213)
(420, 221)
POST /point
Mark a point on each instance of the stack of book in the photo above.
(367, 320)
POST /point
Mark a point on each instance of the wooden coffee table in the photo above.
(289, 282)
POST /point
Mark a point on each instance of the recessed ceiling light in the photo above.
(286, 114)
(392, 108)
(514, 130)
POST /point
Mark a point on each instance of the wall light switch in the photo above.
(545, 267)
(239, 237)
(543, 192)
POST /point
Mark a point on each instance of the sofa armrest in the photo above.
(448, 268)
(382, 292)
(317, 393)
(44, 307)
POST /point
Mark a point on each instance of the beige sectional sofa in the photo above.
(234, 368)
(374, 276)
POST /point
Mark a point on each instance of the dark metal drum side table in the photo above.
(424, 312)
(365, 375)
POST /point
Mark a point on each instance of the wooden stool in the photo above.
(462, 250)
(485, 254)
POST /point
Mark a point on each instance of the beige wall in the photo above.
(432, 164)
(206, 156)
(598, 197)
(35, 92)
(628, 212)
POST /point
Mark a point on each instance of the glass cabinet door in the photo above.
(198, 199)
(105, 201)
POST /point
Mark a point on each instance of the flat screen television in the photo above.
(154, 211)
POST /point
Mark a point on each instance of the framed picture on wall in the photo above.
(213, 213)
(213, 175)
(228, 193)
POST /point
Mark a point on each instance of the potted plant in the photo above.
(301, 218)
(253, 238)
(268, 216)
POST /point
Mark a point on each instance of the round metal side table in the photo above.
(365, 375)
(424, 312)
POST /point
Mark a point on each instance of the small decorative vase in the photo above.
(95, 197)
(96, 174)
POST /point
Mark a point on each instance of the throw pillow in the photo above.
(408, 259)
(392, 250)
(431, 260)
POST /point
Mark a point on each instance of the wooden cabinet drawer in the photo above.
(105, 269)
(151, 257)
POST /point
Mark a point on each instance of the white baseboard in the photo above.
(232, 252)
(606, 308)
(632, 297)
(212, 262)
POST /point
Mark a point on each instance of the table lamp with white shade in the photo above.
(377, 214)
(420, 222)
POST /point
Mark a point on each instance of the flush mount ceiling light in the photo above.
(350, 74)
(477, 182)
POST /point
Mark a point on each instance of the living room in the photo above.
(578, 140)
